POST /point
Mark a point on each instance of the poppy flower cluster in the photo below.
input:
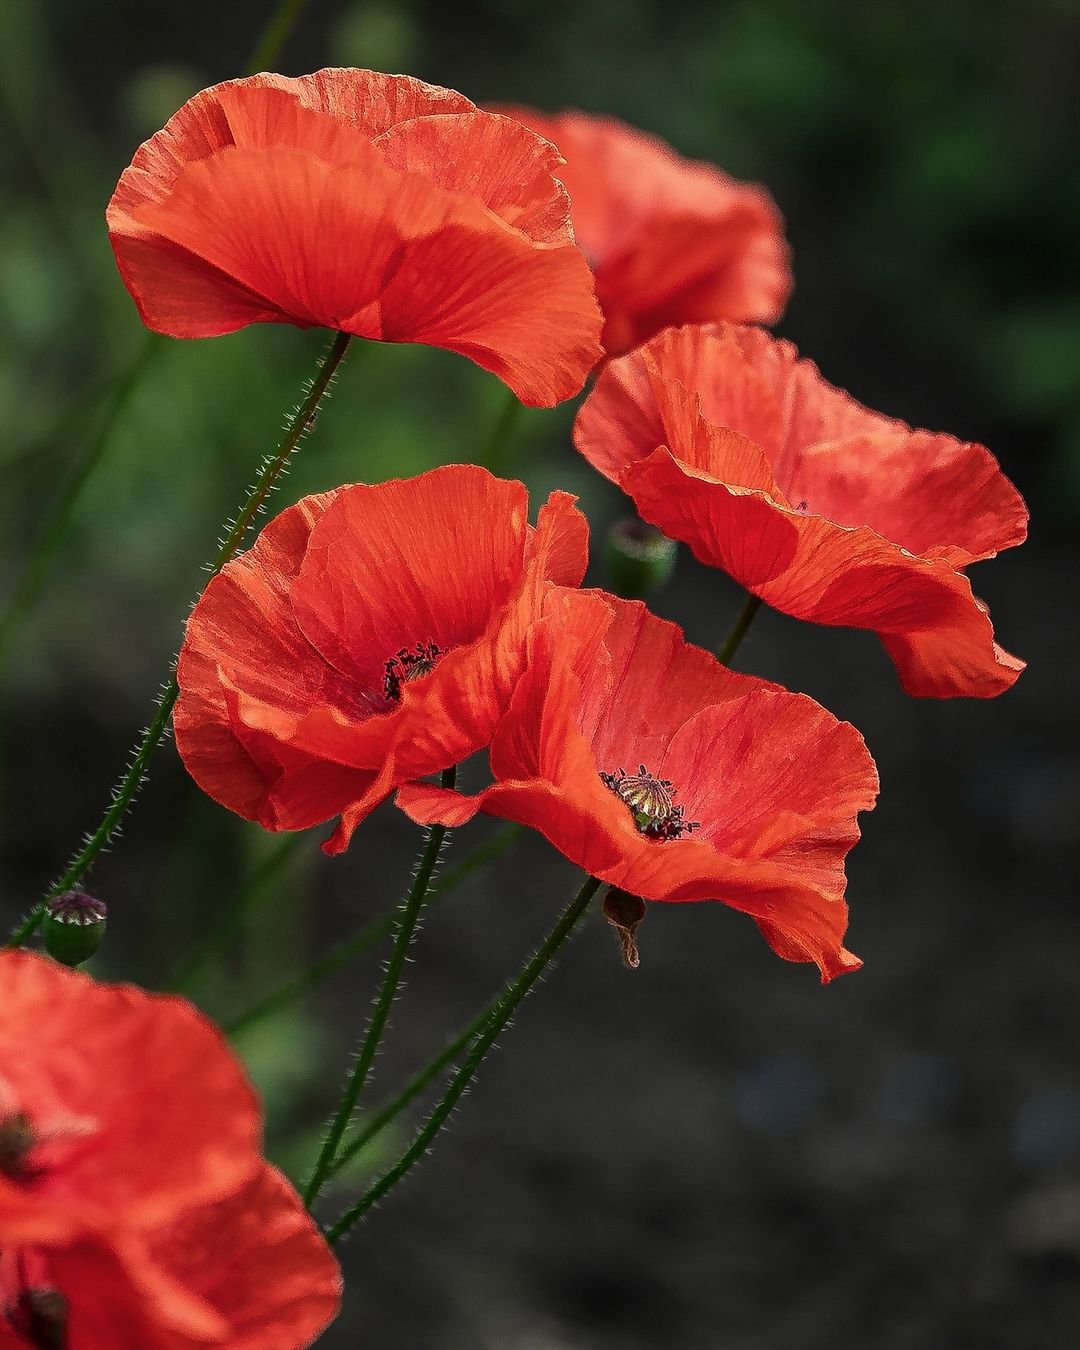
(136, 1210)
(373, 204)
(376, 635)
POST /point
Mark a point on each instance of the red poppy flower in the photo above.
(828, 511)
(657, 769)
(373, 204)
(136, 1212)
(671, 240)
(371, 635)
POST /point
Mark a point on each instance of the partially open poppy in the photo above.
(726, 440)
(370, 636)
(373, 204)
(671, 240)
(657, 769)
(136, 1211)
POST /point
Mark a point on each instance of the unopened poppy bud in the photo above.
(73, 927)
(625, 913)
(640, 559)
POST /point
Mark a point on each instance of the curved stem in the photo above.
(58, 522)
(506, 1007)
(274, 35)
(412, 1089)
(408, 919)
(129, 784)
(739, 630)
(232, 914)
(495, 450)
(343, 952)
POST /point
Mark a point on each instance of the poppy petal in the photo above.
(189, 1135)
(509, 168)
(524, 311)
(671, 240)
(243, 635)
(259, 1260)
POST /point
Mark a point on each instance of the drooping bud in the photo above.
(625, 913)
(639, 558)
(73, 927)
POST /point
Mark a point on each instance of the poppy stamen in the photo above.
(651, 802)
(410, 663)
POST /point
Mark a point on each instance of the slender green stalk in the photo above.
(275, 35)
(739, 630)
(506, 1008)
(232, 914)
(495, 450)
(408, 918)
(343, 952)
(412, 1090)
(58, 522)
(129, 785)
(57, 525)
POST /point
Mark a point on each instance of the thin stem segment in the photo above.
(126, 790)
(495, 450)
(506, 1007)
(408, 918)
(739, 630)
(274, 35)
(231, 915)
(343, 952)
(58, 523)
(412, 1089)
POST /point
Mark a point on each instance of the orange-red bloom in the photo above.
(136, 1212)
(372, 635)
(828, 511)
(657, 769)
(374, 204)
(671, 240)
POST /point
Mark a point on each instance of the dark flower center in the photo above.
(651, 802)
(41, 1315)
(409, 664)
(16, 1141)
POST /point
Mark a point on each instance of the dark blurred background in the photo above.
(712, 1151)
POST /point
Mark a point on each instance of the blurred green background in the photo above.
(711, 1152)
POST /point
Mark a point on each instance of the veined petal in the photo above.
(509, 168)
(524, 311)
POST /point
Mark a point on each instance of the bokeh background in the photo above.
(712, 1151)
